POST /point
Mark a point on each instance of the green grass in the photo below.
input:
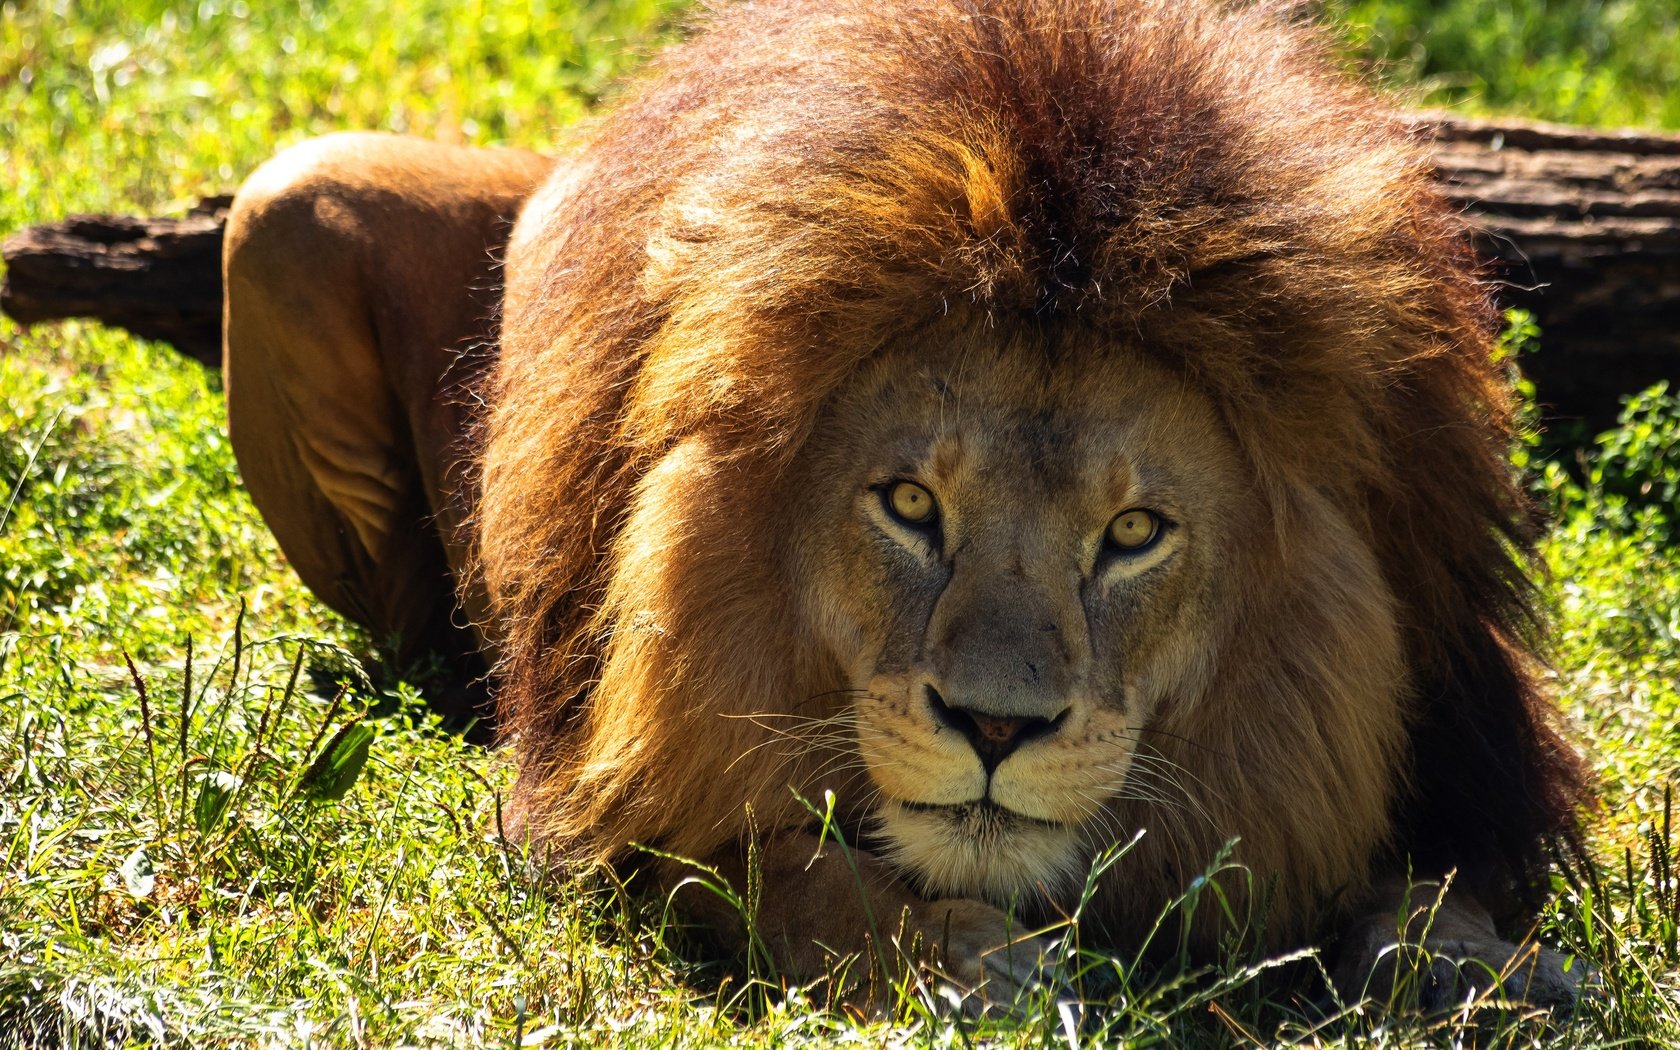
(1606, 62)
(176, 860)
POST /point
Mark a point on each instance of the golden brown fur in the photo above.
(1189, 185)
(1086, 254)
(359, 275)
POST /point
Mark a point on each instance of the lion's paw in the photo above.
(1528, 972)
(1446, 973)
(983, 959)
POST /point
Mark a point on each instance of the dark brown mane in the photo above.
(805, 179)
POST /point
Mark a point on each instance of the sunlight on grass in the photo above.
(237, 840)
(1605, 62)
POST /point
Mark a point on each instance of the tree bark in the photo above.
(158, 278)
(1582, 227)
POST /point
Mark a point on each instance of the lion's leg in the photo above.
(360, 295)
(814, 907)
(1414, 941)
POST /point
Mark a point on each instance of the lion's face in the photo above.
(1056, 593)
(1014, 554)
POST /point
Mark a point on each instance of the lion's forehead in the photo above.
(1014, 421)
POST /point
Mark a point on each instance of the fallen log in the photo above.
(1583, 226)
(159, 278)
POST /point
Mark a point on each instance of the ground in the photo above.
(199, 843)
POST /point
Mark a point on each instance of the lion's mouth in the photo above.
(982, 816)
(980, 848)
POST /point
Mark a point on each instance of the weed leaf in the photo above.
(215, 791)
(340, 762)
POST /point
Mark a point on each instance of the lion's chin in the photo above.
(980, 849)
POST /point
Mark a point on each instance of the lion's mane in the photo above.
(804, 180)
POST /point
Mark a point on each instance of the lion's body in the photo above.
(1047, 262)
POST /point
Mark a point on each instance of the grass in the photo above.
(235, 841)
(1605, 62)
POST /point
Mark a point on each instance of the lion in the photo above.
(996, 436)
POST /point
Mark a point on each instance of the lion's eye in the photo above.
(1134, 530)
(910, 503)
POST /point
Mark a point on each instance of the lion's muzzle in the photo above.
(993, 737)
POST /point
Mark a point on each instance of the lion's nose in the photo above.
(993, 737)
